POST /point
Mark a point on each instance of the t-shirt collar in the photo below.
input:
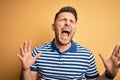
(71, 49)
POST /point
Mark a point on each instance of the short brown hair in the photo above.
(67, 9)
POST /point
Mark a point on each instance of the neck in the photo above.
(62, 47)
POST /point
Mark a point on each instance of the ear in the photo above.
(53, 27)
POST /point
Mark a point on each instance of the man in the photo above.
(64, 59)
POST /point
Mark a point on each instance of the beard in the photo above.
(63, 42)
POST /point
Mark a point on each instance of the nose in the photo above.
(67, 23)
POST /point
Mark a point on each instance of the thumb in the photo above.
(37, 55)
(20, 57)
(103, 58)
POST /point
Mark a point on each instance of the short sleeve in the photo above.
(92, 71)
(34, 66)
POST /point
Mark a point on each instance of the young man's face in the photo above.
(64, 27)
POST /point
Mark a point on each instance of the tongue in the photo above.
(64, 35)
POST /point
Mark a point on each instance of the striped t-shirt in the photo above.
(76, 63)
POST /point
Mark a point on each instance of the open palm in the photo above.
(25, 55)
(113, 63)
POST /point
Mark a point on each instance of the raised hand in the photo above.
(25, 55)
(113, 63)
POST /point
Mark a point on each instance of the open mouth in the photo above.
(66, 32)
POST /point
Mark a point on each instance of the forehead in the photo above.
(67, 15)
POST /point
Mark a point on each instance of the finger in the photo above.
(119, 64)
(103, 59)
(29, 46)
(20, 57)
(119, 53)
(37, 55)
(116, 51)
(118, 56)
(21, 50)
(25, 46)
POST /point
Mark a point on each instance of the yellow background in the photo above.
(98, 28)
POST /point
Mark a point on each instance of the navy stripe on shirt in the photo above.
(75, 63)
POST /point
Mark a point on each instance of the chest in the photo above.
(62, 65)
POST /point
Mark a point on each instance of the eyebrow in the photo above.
(66, 18)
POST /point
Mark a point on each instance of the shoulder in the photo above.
(85, 52)
(81, 49)
(40, 48)
(43, 46)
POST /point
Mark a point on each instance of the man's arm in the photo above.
(112, 65)
(28, 75)
(27, 60)
(101, 77)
